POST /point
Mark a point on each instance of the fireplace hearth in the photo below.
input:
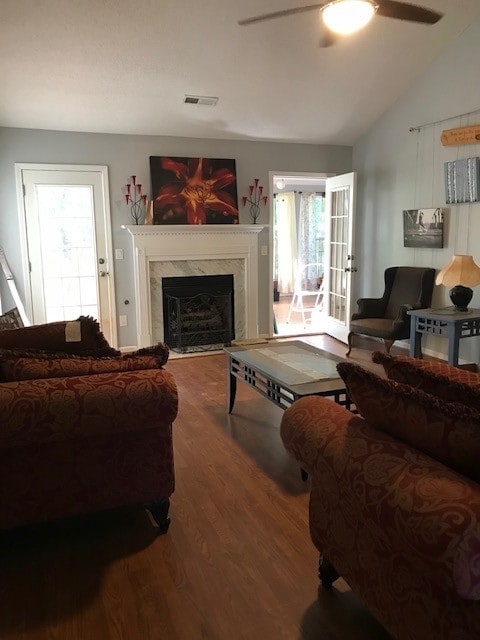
(198, 312)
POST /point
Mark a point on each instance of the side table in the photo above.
(453, 325)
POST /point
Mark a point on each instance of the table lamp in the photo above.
(463, 273)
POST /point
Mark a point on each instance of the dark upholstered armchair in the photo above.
(406, 288)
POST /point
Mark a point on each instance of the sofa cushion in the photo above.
(82, 336)
(35, 364)
(446, 431)
(437, 378)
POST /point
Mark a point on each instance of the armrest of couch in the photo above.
(58, 409)
(414, 507)
(308, 425)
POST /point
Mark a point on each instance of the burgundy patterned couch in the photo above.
(82, 428)
(395, 493)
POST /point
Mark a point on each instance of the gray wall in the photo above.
(127, 155)
(400, 170)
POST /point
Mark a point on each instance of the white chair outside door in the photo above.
(308, 289)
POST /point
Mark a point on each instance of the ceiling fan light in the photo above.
(348, 16)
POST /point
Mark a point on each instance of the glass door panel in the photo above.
(340, 212)
(67, 239)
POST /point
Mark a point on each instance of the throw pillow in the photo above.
(82, 336)
(159, 351)
(24, 365)
(437, 378)
(446, 431)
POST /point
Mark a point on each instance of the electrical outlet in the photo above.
(118, 254)
(123, 321)
(264, 250)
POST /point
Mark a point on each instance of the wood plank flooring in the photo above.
(237, 562)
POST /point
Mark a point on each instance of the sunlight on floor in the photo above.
(295, 326)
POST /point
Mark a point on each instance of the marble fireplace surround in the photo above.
(161, 251)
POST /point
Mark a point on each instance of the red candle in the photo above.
(144, 198)
(133, 179)
(251, 189)
(260, 190)
(256, 181)
(139, 188)
(244, 200)
(127, 187)
(127, 197)
(265, 198)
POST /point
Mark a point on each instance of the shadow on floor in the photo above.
(340, 615)
(50, 572)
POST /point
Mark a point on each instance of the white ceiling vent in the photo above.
(206, 101)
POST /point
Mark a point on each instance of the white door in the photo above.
(340, 253)
(66, 221)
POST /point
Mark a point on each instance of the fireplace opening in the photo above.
(198, 312)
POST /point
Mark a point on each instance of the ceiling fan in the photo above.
(342, 17)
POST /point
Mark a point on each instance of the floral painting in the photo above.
(193, 190)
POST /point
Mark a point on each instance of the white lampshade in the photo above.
(461, 270)
(348, 16)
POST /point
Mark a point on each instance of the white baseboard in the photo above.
(403, 344)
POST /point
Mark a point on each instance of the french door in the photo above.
(67, 244)
(340, 254)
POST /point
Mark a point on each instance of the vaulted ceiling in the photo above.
(114, 66)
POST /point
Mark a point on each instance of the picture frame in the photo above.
(424, 228)
(462, 181)
(194, 190)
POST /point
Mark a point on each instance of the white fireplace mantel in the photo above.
(193, 243)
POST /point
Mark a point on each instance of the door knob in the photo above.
(103, 274)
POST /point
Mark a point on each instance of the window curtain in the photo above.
(311, 235)
(286, 241)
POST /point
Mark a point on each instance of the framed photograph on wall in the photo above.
(462, 181)
(194, 190)
(423, 228)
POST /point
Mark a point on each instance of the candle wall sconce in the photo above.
(255, 199)
(137, 201)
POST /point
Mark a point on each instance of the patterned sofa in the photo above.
(395, 493)
(82, 428)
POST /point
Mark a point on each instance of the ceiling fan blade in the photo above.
(405, 11)
(281, 14)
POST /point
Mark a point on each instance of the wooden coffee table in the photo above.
(285, 371)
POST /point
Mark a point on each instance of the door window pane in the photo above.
(338, 254)
(67, 239)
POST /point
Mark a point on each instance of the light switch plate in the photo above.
(123, 321)
(118, 254)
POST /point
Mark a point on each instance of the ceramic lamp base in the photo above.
(460, 297)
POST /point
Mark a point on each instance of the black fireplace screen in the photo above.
(198, 312)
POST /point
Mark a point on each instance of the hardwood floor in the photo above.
(237, 562)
